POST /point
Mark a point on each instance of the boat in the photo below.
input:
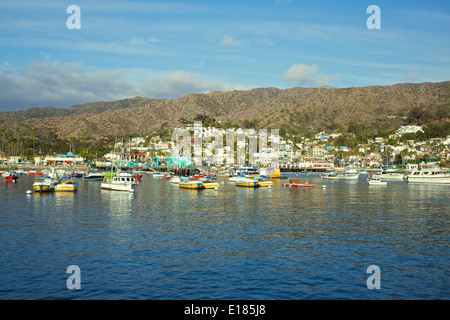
(247, 182)
(76, 174)
(295, 183)
(67, 185)
(158, 175)
(433, 175)
(375, 180)
(209, 184)
(11, 177)
(264, 181)
(391, 174)
(175, 179)
(46, 184)
(121, 181)
(190, 184)
(93, 175)
(137, 176)
(277, 175)
(234, 178)
(331, 175)
(349, 174)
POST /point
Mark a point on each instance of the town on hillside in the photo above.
(323, 151)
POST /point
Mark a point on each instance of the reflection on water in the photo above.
(163, 242)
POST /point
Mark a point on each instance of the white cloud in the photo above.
(304, 75)
(52, 83)
(228, 41)
(180, 83)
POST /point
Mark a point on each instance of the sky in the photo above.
(167, 49)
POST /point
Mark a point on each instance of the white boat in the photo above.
(375, 180)
(93, 175)
(158, 175)
(433, 175)
(122, 181)
(391, 174)
(234, 178)
(175, 179)
(349, 174)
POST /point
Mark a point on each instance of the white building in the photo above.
(409, 129)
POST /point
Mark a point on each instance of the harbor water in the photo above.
(163, 242)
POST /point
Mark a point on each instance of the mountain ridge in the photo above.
(301, 110)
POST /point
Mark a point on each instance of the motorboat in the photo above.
(263, 181)
(67, 185)
(175, 179)
(46, 184)
(247, 182)
(433, 175)
(93, 175)
(295, 183)
(122, 181)
(375, 180)
(191, 184)
(350, 174)
(158, 175)
(391, 174)
(331, 175)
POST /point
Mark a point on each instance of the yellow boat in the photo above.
(210, 185)
(264, 182)
(68, 185)
(277, 175)
(249, 183)
(191, 184)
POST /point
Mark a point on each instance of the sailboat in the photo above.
(119, 181)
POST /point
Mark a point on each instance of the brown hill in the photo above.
(300, 110)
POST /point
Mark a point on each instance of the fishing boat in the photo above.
(121, 181)
(375, 180)
(76, 174)
(432, 175)
(247, 182)
(67, 185)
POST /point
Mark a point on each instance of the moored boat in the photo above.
(349, 174)
(375, 180)
(247, 182)
(190, 184)
(67, 185)
(93, 175)
(295, 183)
(432, 175)
(122, 181)
(391, 174)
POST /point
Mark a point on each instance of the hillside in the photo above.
(300, 110)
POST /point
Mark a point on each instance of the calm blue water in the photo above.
(163, 242)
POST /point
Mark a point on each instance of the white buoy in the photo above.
(29, 192)
(216, 188)
(270, 187)
(324, 186)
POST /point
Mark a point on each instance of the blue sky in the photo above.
(168, 49)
